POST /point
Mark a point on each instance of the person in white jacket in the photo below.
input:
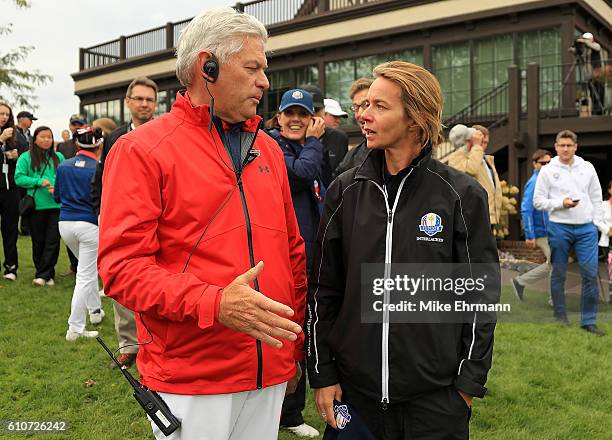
(604, 241)
(568, 188)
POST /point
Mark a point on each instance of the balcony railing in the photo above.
(575, 90)
(269, 12)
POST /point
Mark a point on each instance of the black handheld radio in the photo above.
(151, 402)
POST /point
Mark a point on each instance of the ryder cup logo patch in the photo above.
(342, 416)
(431, 224)
(297, 95)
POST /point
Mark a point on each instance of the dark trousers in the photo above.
(45, 235)
(74, 262)
(25, 221)
(293, 405)
(9, 226)
(437, 415)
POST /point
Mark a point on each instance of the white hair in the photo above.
(221, 31)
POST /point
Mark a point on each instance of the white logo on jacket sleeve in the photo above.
(431, 224)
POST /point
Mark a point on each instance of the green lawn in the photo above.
(547, 382)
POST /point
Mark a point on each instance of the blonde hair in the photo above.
(359, 85)
(106, 124)
(484, 130)
(567, 134)
(421, 95)
(141, 81)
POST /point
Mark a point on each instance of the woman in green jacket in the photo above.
(36, 170)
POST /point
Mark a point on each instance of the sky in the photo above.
(57, 28)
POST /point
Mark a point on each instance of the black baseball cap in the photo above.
(78, 119)
(28, 115)
(317, 95)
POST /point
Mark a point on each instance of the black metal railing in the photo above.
(575, 89)
(269, 12)
(486, 109)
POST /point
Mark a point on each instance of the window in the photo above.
(339, 75)
(451, 65)
(491, 59)
(104, 109)
(283, 80)
(162, 103)
(542, 47)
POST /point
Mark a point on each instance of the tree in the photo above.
(17, 86)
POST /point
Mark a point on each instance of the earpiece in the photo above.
(211, 69)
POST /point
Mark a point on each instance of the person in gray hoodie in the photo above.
(570, 191)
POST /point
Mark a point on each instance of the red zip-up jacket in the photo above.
(164, 185)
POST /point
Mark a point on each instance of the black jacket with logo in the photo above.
(359, 225)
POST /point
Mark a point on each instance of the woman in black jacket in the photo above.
(9, 193)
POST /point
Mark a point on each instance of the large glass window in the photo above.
(162, 103)
(451, 65)
(283, 80)
(104, 109)
(491, 58)
(542, 47)
(339, 75)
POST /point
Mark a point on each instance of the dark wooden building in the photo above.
(502, 63)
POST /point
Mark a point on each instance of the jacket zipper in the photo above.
(386, 296)
(251, 255)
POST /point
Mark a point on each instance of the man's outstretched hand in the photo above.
(248, 311)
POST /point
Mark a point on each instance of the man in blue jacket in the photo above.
(303, 151)
(535, 225)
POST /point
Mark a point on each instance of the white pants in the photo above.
(238, 416)
(540, 272)
(82, 239)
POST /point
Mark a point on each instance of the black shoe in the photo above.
(562, 320)
(519, 289)
(592, 328)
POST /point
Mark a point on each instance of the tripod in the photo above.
(588, 87)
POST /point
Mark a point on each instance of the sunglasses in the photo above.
(543, 162)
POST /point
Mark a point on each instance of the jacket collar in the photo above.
(372, 167)
(200, 114)
(86, 153)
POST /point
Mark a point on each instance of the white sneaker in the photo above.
(304, 430)
(39, 282)
(10, 276)
(50, 282)
(96, 317)
(73, 336)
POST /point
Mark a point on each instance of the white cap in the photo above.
(587, 36)
(333, 108)
(460, 134)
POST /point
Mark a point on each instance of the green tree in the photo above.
(17, 86)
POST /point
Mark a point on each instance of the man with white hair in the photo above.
(187, 235)
(470, 158)
(333, 113)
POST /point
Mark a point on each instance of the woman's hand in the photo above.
(6, 134)
(12, 154)
(324, 400)
(45, 183)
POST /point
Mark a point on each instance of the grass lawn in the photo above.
(547, 382)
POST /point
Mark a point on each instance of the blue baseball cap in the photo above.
(297, 97)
